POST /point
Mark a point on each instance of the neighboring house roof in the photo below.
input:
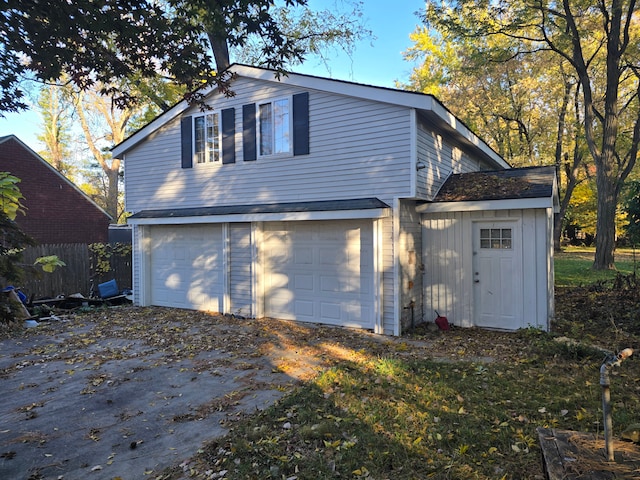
(427, 105)
(57, 211)
(284, 210)
(528, 187)
(54, 171)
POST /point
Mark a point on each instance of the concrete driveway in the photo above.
(125, 392)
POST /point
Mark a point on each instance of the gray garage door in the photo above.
(320, 271)
(186, 266)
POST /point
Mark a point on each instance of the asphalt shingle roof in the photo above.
(316, 206)
(514, 183)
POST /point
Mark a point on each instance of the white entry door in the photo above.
(497, 274)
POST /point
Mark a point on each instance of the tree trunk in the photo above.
(572, 182)
(605, 224)
(559, 217)
(113, 177)
(116, 120)
(220, 51)
(217, 35)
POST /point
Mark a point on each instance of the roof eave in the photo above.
(479, 205)
(265, 217)
(309, 210)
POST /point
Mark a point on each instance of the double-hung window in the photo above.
(275, 127)
(207, 138)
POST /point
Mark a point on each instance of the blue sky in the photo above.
(376, 62)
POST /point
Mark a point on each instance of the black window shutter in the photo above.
(301, 124)
(249, 151)
(229, 135)
(186, 139)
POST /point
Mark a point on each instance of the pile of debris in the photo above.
(18, 308)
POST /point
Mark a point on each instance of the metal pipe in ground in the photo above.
(610, 362)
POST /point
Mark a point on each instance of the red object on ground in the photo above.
(442, 322)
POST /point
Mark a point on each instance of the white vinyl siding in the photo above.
(358, 149)
(240, 270)
(148, 166)
(137, 251)
(440, 159)
(538, 265)
(447, 254)
(448, 261)
(388, 277)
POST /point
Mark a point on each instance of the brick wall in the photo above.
(56, 212)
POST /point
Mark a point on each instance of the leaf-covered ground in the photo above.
(458, 404)
(461, 404)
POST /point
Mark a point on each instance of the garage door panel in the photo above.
(280, 301)
(186, 266)
(331, 284)
(327, 276)
(328, 256)
(303, 282)
(359, 312)
(354, 260)
(304, 309)
(331, 235)
(331, 311)
(303, 256)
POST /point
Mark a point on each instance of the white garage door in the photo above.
(186, 266)
(320, 271)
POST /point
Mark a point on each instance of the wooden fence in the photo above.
(78, 276)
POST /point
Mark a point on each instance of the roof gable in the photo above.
(428, 105)
(41, 161)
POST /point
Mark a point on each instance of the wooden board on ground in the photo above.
(570, 455)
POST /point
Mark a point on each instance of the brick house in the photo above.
(57, 211)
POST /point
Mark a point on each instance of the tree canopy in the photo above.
(150, 58)
(599, 42)
(102, 42)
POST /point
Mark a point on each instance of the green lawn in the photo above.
(405, 417)
(573, 266)
(409, 419)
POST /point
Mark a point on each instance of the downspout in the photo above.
(397, 308)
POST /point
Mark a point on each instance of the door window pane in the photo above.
(495, 238)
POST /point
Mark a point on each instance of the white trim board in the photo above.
(507, 204)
